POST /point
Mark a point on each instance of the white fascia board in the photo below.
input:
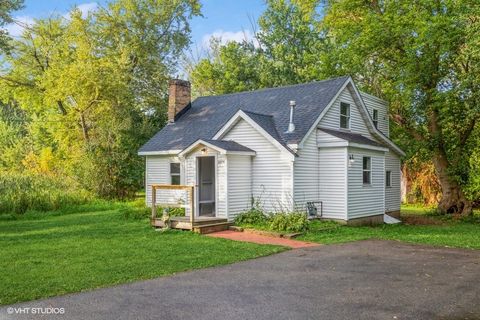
(214, 147)
(158, 153)
(367, 146)
(242, 115)
(198, 142)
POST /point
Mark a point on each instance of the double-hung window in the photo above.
(344, 115)
(367, 170)
(375, 118)
(388, 178)
(174, 173)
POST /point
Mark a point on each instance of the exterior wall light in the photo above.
(351, 160)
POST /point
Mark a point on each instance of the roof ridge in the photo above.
(275, 88)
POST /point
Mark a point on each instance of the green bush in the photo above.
(289, 222)
(25, 192)
(251, 217)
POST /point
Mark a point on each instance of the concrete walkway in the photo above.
(261, 239)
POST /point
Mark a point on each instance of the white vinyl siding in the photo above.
(158, 172)
(366, 199)
(331, 118)
(239, 184)
(332, 177)
(372, 102)
(272, 171)
(306, 169)
(392, 193)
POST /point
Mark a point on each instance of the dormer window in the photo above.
(375, 117)
(344, 115)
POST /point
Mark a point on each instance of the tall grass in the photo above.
(25, 192)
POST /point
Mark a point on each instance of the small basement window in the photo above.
(367, 170)
(375, 118)
(388, 178)
(344, 115)
(175, 173)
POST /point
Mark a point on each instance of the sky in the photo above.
(229, 20)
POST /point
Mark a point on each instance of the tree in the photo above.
(6, 8)
(423, 57)
(94, 88)
(286, 50)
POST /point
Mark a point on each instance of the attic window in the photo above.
(344, 115)
(375, 117)
(175, 173)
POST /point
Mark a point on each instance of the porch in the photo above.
(199, 224)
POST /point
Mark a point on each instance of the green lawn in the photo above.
(446, 232)
(52, 254)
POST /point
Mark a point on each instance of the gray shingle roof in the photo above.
(352, 137)
(229, 145)
(207, 115)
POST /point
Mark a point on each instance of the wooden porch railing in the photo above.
(156, 187)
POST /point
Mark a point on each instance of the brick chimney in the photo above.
(179, 97)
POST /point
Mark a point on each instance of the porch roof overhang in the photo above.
(222, 146)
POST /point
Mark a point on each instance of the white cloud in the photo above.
(15, 29)
(226, 36)
(85, 9)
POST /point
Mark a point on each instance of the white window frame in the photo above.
(375, 117)
(388, 178)
(368, 169)
(172, 174)
(347, 116)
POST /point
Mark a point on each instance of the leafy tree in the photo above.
(286, 50)
(6, 8)
(94, 88)
(423, 57)
(229, 68)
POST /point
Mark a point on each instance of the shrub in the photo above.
(290, 222)
(24, 192)
(251, 217)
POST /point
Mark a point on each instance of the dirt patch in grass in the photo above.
(417, 220)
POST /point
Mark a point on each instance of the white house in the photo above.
(322, 145)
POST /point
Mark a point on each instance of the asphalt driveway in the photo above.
(360, 280)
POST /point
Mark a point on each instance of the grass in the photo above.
(440, 232)
(93, 246)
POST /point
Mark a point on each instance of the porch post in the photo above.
(154, 202)
(192, 214)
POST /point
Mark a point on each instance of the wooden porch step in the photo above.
(212, 227)
(210, 221)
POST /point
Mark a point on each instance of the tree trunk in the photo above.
(453, 200)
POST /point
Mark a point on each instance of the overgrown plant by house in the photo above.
(281, 221)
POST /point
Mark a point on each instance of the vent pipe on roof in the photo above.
(291, 125)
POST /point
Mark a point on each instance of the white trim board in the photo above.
(214, 147)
